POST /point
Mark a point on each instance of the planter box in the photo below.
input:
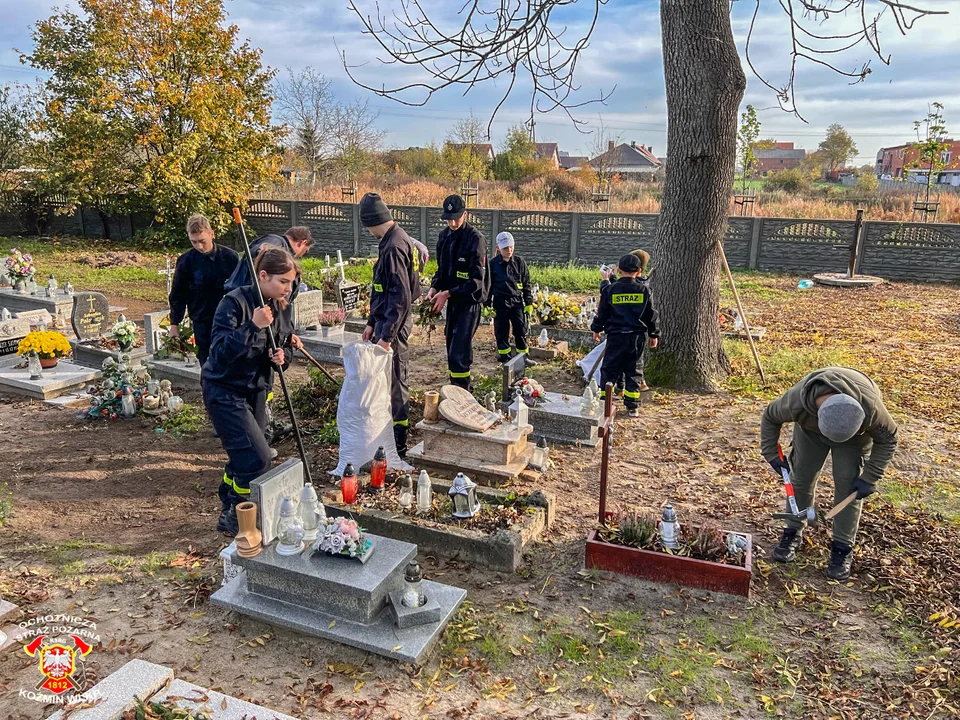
(501, 551)
(93, 357)
(664, 568)
(573, 336)
(549, 353)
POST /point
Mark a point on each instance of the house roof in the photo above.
(625, 155)
(572, 161)
(545, 150)
(780, 154)
(481, 147)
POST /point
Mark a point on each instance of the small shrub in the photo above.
(186, 422)
(792, 181)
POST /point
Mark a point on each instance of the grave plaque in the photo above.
(91, 315)
(470, 416)
(457, 393)
(155, 326)
(35, 317)
(348, 294)
(306, 309)
(513, 371)
(269, 490)
(11, 332)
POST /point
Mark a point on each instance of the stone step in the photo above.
(411, 644)
(340, 587)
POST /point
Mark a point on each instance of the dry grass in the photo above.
(833, 203)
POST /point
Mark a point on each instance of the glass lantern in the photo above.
(464, 494)
(669, 528)
(289, 529)
(541, 453)
(413, 586)
(406, 492)
(378, 470)
(348, 485)
(424, 493)
(51, 285)
(33, 365)
(311, 512)
(127, 404)
(68, 288)
(543, 339)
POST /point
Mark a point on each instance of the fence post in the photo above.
(494, 231)
(855, 244)
(862, 250)
(753, 261)
(356, 229)
(424, 231)
(574, 236)
(294, 213)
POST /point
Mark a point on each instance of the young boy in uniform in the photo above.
(512, 298)
(627, 316)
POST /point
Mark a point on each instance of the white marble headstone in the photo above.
(306, 309)
(35, 317)
(269, 490)
(154, 330)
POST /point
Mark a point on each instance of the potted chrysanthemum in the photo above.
(49, 345)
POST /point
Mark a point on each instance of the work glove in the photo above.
(779, 466)
(863, 488)
(528, 309)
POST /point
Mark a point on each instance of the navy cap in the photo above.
(453, 208)
(630, 263)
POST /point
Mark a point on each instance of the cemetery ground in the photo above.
(114, 521)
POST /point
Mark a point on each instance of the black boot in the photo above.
(786, 549)
(227, 524)
(841, 560)
(400, 437)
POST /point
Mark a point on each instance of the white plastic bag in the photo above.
(363, 411)
(586, 363)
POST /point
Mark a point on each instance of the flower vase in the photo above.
(249, 539)
(124, 345)
(20, 286)
(47, 363)
(331, 330)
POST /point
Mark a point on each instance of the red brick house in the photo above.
(782, 156)
(898, 162)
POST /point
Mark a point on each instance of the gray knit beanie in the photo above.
(373, 211)
(840, 418)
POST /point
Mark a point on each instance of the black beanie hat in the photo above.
(373, 211)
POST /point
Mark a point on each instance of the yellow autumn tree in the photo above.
(153, 105)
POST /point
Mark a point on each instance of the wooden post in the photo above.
(605, 431)
(855, 245)
(743, 315)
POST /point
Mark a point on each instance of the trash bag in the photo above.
(363, 411)
(586, 363)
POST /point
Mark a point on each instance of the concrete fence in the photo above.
(895, 250)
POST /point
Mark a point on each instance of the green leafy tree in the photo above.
(747, 144)
(14, 132)
(837, 147)
(463, 153)
(931, 148)
(154, 103)
(515, 159)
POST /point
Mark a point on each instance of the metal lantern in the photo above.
(378, 470)
(669, 528)
(311, 512)
(413, 586)
(289, 529)
(424, 493)
(464, 493)
(33, 364)
(539, 460)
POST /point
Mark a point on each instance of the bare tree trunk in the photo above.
(704, 87)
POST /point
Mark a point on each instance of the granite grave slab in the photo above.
(17, 302)
(64, 378)
(90, 315)
(306, 309)
(269, 490)
(562, 419)
(328, 349)
(93, 357)
(155, 326)
(176, 371)
(117, 691)
(213, 704)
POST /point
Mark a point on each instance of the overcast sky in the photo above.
(624, 52)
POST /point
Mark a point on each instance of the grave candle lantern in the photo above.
(68, 288)
(543, 340)
(539, 460)
(406, 491)
(51, 285)
(378, 470)
(289, 529)
(413, 586)
(311, 512)
(424, 493)
(669, 527)
(464, 494)
(348, 485)
(33, 364)
(127, 404)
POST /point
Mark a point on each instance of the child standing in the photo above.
(239, 373)
(512, 298)
(627, 316)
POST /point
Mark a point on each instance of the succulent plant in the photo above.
(708, 543)
(636, 529)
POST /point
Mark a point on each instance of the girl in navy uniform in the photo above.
(239, 373)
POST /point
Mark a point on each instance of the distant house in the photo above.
(572, 162)
(897, 163)
(782, 156)
(485, 150)
(624, 159)
(548, 152)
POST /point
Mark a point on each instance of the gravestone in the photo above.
(348, 295)
(512, 372)
(35, 317)
(155, 326)
(269, 490)
(11, 332)
(91, 315)
(471, 416)
(306, 308)
(455, 392)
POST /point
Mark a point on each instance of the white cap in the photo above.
(504, 240)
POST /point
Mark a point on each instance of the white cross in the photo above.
(169, 273)
(341, 264)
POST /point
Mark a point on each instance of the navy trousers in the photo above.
(621, 360)
(462, 323)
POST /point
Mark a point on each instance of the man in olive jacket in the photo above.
(840, 411)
